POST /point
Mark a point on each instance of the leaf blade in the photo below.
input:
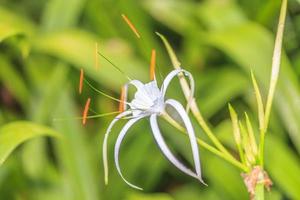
(12, 135)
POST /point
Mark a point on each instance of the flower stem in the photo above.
(260, 187)
(208, 147)
(259, 192)
(193, 105)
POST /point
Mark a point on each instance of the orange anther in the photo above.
(152, 64)
(81, 81)
(131, 26)
(85, 111)
(122, 100)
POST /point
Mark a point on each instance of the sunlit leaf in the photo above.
(11, 24)
(15, 133)
(77, 47)
(260, 106)
(279, 157)
(14, 82)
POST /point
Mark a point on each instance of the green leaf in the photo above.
(73, 153)
(13, 80)
(153, 196)
(211, 101)
(78, 47)
(260, 105)
(250, 46)
(250, 131)
(164, 11)
(12, 24)
(172, 55)
(15, 133)
(61, 14)
(236, 132)
(283, 165)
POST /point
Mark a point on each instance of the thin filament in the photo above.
(131, 26)
(115, 66)
(103, 93)
(88, 116)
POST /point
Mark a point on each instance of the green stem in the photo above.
(193, 105)
(261, 148)
(259, 189)
(208, 147)
(259, 192)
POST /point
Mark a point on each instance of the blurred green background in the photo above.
(45, 43)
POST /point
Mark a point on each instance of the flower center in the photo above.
(148, 99)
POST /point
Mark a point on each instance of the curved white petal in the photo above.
(104, 147)
(117, 149)
(169, 78)
(165, 149)
(190, 130)
(138, 84)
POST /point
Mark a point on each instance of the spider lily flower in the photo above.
(149, 101)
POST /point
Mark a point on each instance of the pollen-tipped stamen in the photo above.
(102, 93)
(85, 111)
(152, 64)
(122, 99)
(115, 66)
(88, 116)
(131, 26)
(81, 80)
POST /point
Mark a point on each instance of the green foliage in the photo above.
(44, 44)
(15, 133)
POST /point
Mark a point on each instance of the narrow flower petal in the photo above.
(117, 149)
(190, 130)
(165, 149)
(169, 78)
(104, 147)
(138, 84)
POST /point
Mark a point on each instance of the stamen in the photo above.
(85, 111)
(122, 100)
(131, 26)
(87, 117)
(101, 92)
(81, 81)
(152, 64)
(115, 66)
(96, 56)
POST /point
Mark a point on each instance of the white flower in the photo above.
(149, 101)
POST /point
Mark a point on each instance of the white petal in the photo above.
(174, 73)
(138, 84)
(165, 149)
(191, 134)
(141, 93)
(117, 148)
(104, 147)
